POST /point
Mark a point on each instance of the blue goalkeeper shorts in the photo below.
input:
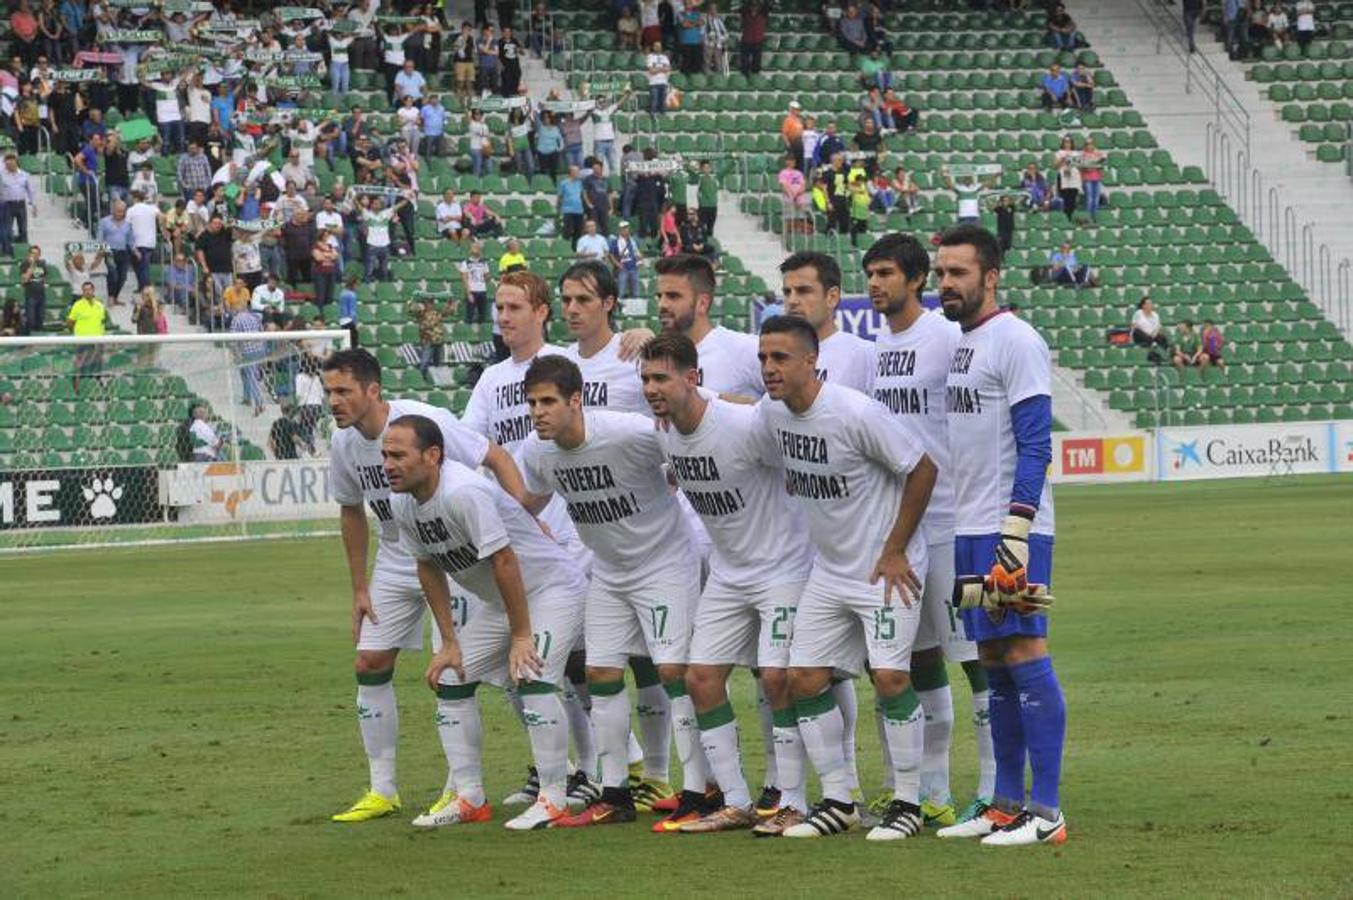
(975, 555)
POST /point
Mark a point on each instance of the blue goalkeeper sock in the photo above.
(1007, 738)
(1043, 712)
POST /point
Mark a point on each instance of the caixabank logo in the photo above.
(1234, 452)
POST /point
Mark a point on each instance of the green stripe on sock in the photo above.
(457, 691)
(645, 673)
(901, 707)
(715, 718)
(605, 688)
(812, 707)
(373, 678)
(930, 678)
(785, 718)
(977, 676)
(674, 689)
(536, 687)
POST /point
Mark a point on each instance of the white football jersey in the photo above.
(497, 407)
(995, 366)
(608, 382)
(845, 359)
(845, 461)
(466, 521)
(910, 368)
(357, 469)
(728, 363)
(616, 495)
(730, 471)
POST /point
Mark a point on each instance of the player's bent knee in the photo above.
(775, 684)
(805, 683)
(991, 653)
(706, 685)
(374, 662)
(672, 673)
(604, 675)
(891, 682)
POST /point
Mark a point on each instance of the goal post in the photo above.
(127, 439)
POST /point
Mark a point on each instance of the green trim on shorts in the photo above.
(527, 688)
(645, 673)
(813, 707)
(785, 718)
(371, 679)
(457, 691)
(675, 689)
(977, 676)
(902, 707)
(605, 688)
(716, 718)
(930, 678)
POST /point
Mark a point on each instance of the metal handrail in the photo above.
(1227, 108)
(1091, 419)
(45, 136)
(1344, 276)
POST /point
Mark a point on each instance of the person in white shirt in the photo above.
(450, 216)
(592, 245)
(608, 468)
(144, 218)
(206, 443)
(911, 359)
(1146, 328)
(1305, 10)
(457, 523)
(268, 299)
(603, 130)
(730, 471)
(999, 400)
(659, 69)
(387, 606)
(144, 184)
(863, 484)
(587, 298)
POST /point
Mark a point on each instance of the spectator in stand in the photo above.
(650, 23)
(868, 140)
(1055, 89)
(659, 69)
(1213, 342)
(431, 321)
(144, 184)
(86, 165)
(450, 217)
(603, 129)
(144, 218)
(1305, 11)
(1092, 176)
(1278, 24)
(793, 188)
(347, 303)
(115, 231)
(707, 197)
(1005, 223)
(149, 319)
(1061, 29)
(851, 30)
(691, 40)
(1147, 331)
(1038, 195)
(16, 197)
(1069, 180)
(213, 260)
(549, 143)
(481, 143)
(968, 191)
(873, 110)
(33, 277)
(433, 127)
(202, 436)
(627, 30)
(906, 191)
(11, 324)
(874, 70)
(298, 245)
(752, 36)
(1188, 348)
(829, 145)
(791, 132)
(649, 194)
(669, 235)
(463, 56)
(512, 258)
(571, 210)
(716, 40)
(625, 257)
(1064, 268)
(597, 196)
(181, 287)
(876, 30)
(1234, 22)
(27, 35)
(490, 70)
(694, 238)
(480, 219)
(1083, 88)
(269, 300)
(571, 127)
(859, 207)
(474, 275)
(194, 170)
(510, 53)
(409, 82)
(591, 245)
(377, 219)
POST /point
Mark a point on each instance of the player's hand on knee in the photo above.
(897, 574)
(1009, 574)
(448, 657)
(523, 663)
(361, 609)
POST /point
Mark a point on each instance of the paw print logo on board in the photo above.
(102, 496)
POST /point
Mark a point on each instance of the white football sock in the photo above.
(694, 771)
(514, 698)
(546, 727)
(576, 703)
(904, 725)
(610, 726)
(462, 734)
(766, 717)
(719, 738)
(938, 707)
(378, 719)
(986, 750)
(634, 751)
(655, 724)
(848, 703)
(883, 745)
(790, 757)
(823, 733)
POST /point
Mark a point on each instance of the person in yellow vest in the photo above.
(87, 318)
(513, 259)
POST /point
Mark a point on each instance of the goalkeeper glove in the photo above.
(1009, 575)
(978, 592)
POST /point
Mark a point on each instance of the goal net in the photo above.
(127, 439)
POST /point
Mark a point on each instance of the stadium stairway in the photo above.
(1126, 39)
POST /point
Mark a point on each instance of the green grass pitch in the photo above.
(179, 721)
